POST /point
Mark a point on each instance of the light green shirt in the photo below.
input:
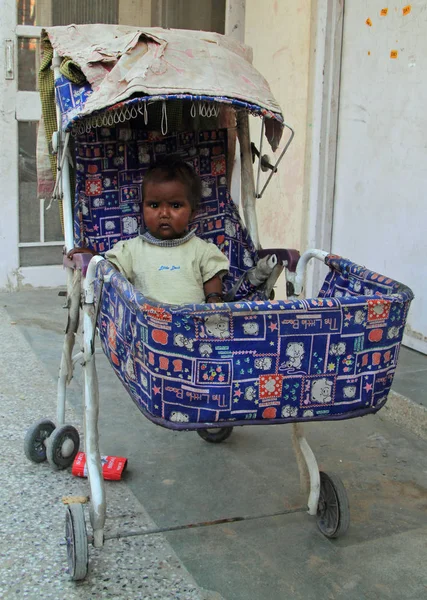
(171, 275)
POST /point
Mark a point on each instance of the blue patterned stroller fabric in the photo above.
(110, 166)
(247, 362)
(252, 362)
(71, 99)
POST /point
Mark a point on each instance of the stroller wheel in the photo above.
(333, 511)
(35, 440)
(62, 447)
(76, 539)
(216, 435)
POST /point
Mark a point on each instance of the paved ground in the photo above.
(176, 478)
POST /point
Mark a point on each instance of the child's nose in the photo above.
(164, 211)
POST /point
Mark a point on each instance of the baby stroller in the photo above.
(126, 97)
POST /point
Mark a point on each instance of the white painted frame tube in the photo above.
(247, 176)
(64, 169)
(302, 266)
(91, 410)
(307, 464)
(67, 361)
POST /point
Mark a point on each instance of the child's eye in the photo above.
(177, 205)
(153, 204)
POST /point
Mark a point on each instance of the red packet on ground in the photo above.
(112, 466)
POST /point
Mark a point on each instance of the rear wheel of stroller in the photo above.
(62, 447)
(333, 511)
(215, 436)
(76, 539)
(35, 440)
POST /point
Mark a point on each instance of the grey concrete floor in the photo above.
(411, 376)
(178, 479)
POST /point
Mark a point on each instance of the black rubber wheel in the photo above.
(215, 436)
(76, 539)
(34, 442)
(62, 447)
(333, 511)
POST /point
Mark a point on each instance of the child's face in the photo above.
(166, 209)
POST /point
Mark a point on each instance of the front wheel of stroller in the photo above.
(215, 436)
(62, 447)
(35, 440)
(76, 539)
(333, 511)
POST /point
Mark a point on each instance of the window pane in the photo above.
(39, 257)
(65, 12)
(26, 12)
(28, 64)
(29, 205)
(29, 221)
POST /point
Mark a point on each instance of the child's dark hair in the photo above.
(173, 168)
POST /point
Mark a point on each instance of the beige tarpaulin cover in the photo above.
(122, 61)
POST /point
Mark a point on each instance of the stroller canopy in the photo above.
(121, 63)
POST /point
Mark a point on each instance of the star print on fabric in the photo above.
(348, 316)
(272, 326)
(156, 389)
(368, 387)
(238, 393)
(331, 366)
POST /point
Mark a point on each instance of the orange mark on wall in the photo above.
(383, 12)
(394, 54)
(368, 22)
(406, 10)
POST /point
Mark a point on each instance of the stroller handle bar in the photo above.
(302, 265)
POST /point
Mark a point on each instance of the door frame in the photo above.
(322, 134)
(17, 106)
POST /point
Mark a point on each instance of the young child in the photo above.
(168, 263)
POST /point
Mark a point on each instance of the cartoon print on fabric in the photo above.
(230, 228)
(217, 326)
(250, 328)
(250, 393)
(264, 363)
(321, 391)
(179, 417)
(359, 317)
(289, 411)
(349, 391)
(130, 369)
(182, 342)
(337, 349)
(130, 225)
(247, 258)
(295, 354)
(393, 332)
(205, 350)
